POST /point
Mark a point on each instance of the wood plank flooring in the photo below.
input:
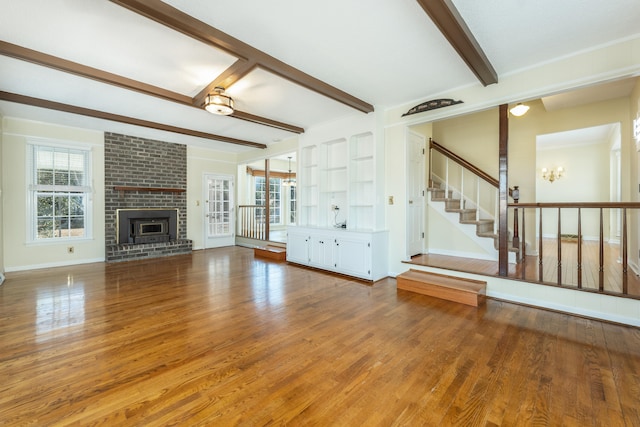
(569, 266)
(220, 338)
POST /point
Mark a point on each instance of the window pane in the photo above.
(76, 205)
(44, 205)
(45, 228)
(61, 206)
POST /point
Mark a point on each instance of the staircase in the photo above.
(484, 227)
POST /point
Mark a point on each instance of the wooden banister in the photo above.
(465, 164)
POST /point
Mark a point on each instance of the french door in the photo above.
(219, 218)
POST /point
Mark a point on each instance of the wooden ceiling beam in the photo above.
(265, 122)
(235, 72)
(50, 61)
(176, 19)
(101, 76)
(52, 105)
(444, 14)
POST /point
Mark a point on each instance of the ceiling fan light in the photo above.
(519, 110)
(219, 102)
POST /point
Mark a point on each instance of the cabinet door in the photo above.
(321, 251)
(353, 256)
(297, 247)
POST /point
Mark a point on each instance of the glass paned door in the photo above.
(219, 211)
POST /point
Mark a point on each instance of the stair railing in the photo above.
(252, 222)
(486, 197)
(574, 230)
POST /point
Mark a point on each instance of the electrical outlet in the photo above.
(70, 249)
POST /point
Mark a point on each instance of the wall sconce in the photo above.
(552, 175)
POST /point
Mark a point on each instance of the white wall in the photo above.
(18, 254)
(586, 179)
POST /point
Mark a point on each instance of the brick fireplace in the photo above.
(145, 198)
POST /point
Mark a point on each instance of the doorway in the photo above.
(219, 210)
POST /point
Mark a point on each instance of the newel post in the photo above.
(515, 193)
(503, 187)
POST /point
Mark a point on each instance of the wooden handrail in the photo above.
(465, 164)
(604, 205)
(462, 162)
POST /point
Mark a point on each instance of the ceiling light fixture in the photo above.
(289, 182)
(519, 110)
(219, 102)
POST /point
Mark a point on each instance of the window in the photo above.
(275, 204)
(292, 204)
(59, 192)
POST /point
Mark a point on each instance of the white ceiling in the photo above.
(386, 53)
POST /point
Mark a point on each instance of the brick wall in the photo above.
(140, 162)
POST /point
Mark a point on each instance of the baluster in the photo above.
(579, 248)
(446, 178)
(540, 277)
(523, 254)
(516, 198)
(559, 248)
(461, 188)
(625, 284)
(496, 212)
(601, 268)
(477, 198)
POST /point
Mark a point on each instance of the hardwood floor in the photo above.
(530, 271)
(220, 338)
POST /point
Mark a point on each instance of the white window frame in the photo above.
(33, 188)
(268, 188)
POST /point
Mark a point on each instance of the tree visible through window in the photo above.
(59, 192)
(275, 202)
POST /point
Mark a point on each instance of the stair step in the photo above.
(457, 289)
(271, 252)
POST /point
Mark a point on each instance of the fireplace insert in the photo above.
(147, 225)
(149, 230)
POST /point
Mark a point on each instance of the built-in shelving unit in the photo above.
(333, 182)
(362, 190)
(308, 186)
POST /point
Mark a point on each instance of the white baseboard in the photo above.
(556, 306)
(53, 264)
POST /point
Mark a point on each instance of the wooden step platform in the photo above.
(465, 291)
(272, 252)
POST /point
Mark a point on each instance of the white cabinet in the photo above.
(353, 255)
(320, 251)
(358, 254)
(298, 246)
